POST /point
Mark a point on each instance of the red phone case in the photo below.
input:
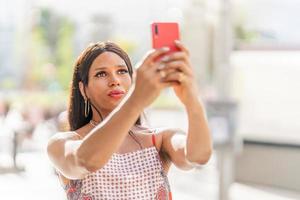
(164, 34)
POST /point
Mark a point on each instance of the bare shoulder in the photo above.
(162, 133)
(172, 139)
(174, 147)
(169, 133)
(163, 137)
(61, 150)
(63, 136)
(56, 150)
(59, 139)
(158, 132)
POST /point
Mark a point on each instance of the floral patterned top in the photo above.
(135, 175)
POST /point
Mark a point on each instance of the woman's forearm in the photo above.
(199, 144)
(99, 145)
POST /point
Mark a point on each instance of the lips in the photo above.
(116, 94)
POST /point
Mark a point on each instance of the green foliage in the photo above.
(64, 54)
(52, 47)
(7, 83)
(245, 35)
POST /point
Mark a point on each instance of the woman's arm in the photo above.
(199, 144)
(196, 147)
(75, 157)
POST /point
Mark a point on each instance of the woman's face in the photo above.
(109, 81)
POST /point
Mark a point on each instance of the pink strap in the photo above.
(153, 140)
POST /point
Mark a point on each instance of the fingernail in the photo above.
(165, 49)
(177, 41)
(165, 58)
(161, 66)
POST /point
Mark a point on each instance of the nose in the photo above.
(113, 80)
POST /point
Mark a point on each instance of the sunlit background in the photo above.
(246, 57)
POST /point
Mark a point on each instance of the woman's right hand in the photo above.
(148, 80)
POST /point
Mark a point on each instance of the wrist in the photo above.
(192, 93)
(193, 104)
(190, 100)
(135, 103)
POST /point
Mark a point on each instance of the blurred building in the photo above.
(7, 42)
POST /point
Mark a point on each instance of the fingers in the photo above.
(176, 56)
(176, 66)
(153, 54)
(178, 61)
(165, 69)
(178, 77)
(148, 67)
(182, 47)
(169, 84)
(162, 73)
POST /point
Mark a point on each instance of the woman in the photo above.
(107, 154)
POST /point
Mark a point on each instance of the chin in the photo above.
(114, 104)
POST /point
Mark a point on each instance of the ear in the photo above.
(81, 88)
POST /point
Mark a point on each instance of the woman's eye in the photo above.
(123, 71)
(100, 74)
(103, 73)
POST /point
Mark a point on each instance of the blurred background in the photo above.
(246, 56)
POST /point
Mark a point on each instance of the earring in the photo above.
(86, 107)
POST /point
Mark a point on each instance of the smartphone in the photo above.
(164, 34)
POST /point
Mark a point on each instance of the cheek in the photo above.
(127, 82)
(97, 86)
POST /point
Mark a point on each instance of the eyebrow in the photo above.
(101, 68)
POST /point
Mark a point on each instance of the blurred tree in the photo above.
(244, 35)
(52, 43)
(64, 52)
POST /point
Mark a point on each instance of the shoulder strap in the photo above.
(80, 137)
(153, 140)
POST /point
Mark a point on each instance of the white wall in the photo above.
(268, 87)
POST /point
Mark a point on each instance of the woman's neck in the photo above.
(97, 118)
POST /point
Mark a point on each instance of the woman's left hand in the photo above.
(178, 70)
